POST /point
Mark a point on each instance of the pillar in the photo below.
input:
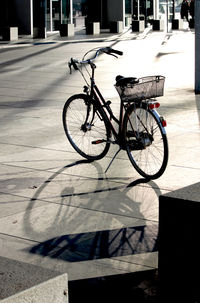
(39, 24)
(117, 14)
(197, 46)
(155, 9)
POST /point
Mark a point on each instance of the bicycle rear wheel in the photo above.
(85, 127)
(146, 141)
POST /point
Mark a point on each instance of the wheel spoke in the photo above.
(150, 154)
(83, 125)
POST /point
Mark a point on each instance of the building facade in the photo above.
(49, 14)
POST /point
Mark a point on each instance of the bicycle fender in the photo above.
(158, 118)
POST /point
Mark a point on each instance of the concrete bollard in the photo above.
(10, 33)
(158, 25)
(93, 28)
(177, 24)
(138, 25)
(116, 26)
(66, 30)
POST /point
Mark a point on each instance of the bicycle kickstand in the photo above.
(112, 160)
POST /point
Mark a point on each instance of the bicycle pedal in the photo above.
(98, 141)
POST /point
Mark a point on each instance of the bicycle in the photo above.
(87, 119)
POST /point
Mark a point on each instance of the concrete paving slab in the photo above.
(45, 222)
(37, 86)
(29, 156)
(136, 202)
(176, 176)
(45, 94)
(12, 204)
(44, 171)
(190, 162)
(148, 259)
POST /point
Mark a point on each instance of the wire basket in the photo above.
(144, 88)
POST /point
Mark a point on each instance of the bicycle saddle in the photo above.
(123, 81)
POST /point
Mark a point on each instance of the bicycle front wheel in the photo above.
(146, 141)
(85, 127)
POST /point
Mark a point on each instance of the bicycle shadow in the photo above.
(132, 207)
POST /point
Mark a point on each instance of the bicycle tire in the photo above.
(86, 127)
(145, 140)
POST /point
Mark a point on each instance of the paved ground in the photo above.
(60, 212)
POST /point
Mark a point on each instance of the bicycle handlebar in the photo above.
(114, 51)
(107, 50)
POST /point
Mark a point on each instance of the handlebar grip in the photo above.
(114, 51)
(73, 63)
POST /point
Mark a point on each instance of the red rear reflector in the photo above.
(154, 105)
(164, 123)
(151, 106)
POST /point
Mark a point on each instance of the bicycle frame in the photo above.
(101, 102)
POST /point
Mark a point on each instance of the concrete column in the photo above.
(155, 9)
(123, 4)
(39, 24)
(23, 17)
(50, 15)
(117, 14)
(71, 11)
(197, 46)
(31, 15)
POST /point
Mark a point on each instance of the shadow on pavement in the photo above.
(140, 287)
(100, 244)
(112, 242)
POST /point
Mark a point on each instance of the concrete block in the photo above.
(93, 28)
(177, 24)
(138, 25)
(178, 261)
(10, 33)
(158, 25)
(67, 30)
(23, 282)
(116, 26)
(51, 291)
